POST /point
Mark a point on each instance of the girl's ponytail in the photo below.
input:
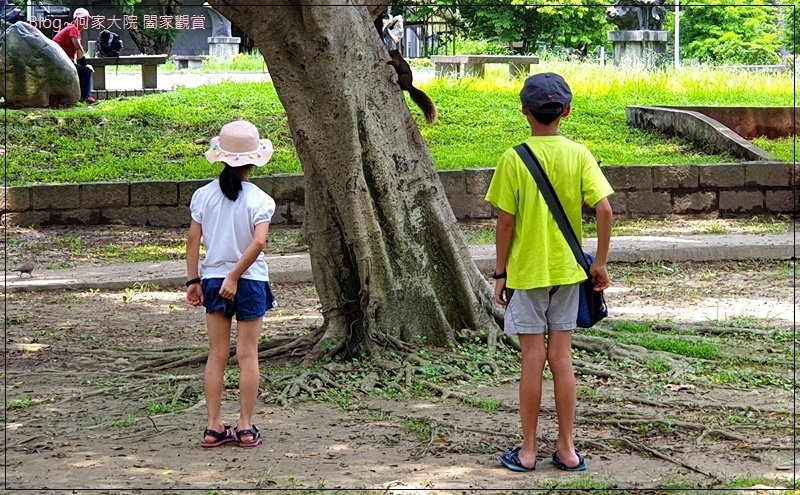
(230, 181)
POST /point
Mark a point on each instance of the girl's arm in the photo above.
(194, 292)
(229, 285)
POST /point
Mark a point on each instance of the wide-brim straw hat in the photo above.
(238, 144)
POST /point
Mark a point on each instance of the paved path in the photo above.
(296, 268)
(171, 80)
(119, 80)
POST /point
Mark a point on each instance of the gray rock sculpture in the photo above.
(637, 14)
(220, 26)
(37, 71)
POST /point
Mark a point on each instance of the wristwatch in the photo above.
(193, 281)
(498, 276)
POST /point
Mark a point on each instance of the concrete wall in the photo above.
(726, 189)
(752, 122)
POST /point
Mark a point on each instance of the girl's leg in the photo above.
(219, 343)
(559, 355)
(530, 394)
(247, 334)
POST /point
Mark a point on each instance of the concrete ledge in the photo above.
(735, 188)
(107, 94)
(696, 127)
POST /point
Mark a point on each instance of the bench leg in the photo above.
(446, 69)
(516, 70)
(473, 69)
(149, 76)
(99, 77)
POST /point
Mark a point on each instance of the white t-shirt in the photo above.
(228, 228)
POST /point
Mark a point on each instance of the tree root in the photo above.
(655, 453)
(710, 329)
(728, 435)
(310, 382)
(691, 405)
(273, 347)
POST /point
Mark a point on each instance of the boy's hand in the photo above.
(600, 277)
(228, 289)
(194, 294)
(500, 292)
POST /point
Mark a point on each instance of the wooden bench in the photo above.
(445, 65)
(149, 64)
(188, 61)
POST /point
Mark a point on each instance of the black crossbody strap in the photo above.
(551, 198)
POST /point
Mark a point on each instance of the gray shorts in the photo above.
(536, 310)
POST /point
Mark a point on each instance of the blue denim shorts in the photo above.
(252, 300)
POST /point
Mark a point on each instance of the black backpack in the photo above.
(108, 44)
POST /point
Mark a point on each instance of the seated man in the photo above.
(69, 39)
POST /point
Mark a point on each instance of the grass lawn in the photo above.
(164, 136)
(783, 148)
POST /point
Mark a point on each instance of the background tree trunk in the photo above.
(390, 263)
(157, 41)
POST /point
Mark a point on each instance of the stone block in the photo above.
(289, 213)
(81, 216)
(768, 174)
(741, 201)
(722, 175)
(649, 203)
(131, 215)
(478, 207)
(478, 180)
(676, 176)
(782, 201)
(187, 187)
(624, 178)
(55, 197)
(454, 182)
(168, 216)
(619, 202)
(288, 187)
(15, 198)
(104, 194)
(154, 193)
(697, 202)
(266, 183)
(469, 206)
(30, 218)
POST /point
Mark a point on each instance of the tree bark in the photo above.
(156, 45)
(390, 263)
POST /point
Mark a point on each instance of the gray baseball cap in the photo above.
(546, 92)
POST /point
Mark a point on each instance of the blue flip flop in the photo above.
(560, 465)
(510, 459)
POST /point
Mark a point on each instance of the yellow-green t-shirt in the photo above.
(539, 254)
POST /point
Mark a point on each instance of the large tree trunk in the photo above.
(157, 41)
(390, 263)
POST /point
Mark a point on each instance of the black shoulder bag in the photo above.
(592, 307)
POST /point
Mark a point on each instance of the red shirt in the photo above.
(64, 39)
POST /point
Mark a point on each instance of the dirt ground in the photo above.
(88, 426)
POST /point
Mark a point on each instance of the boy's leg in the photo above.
(219, 343)
(247, 334)
(559, 355)
(530, 394)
